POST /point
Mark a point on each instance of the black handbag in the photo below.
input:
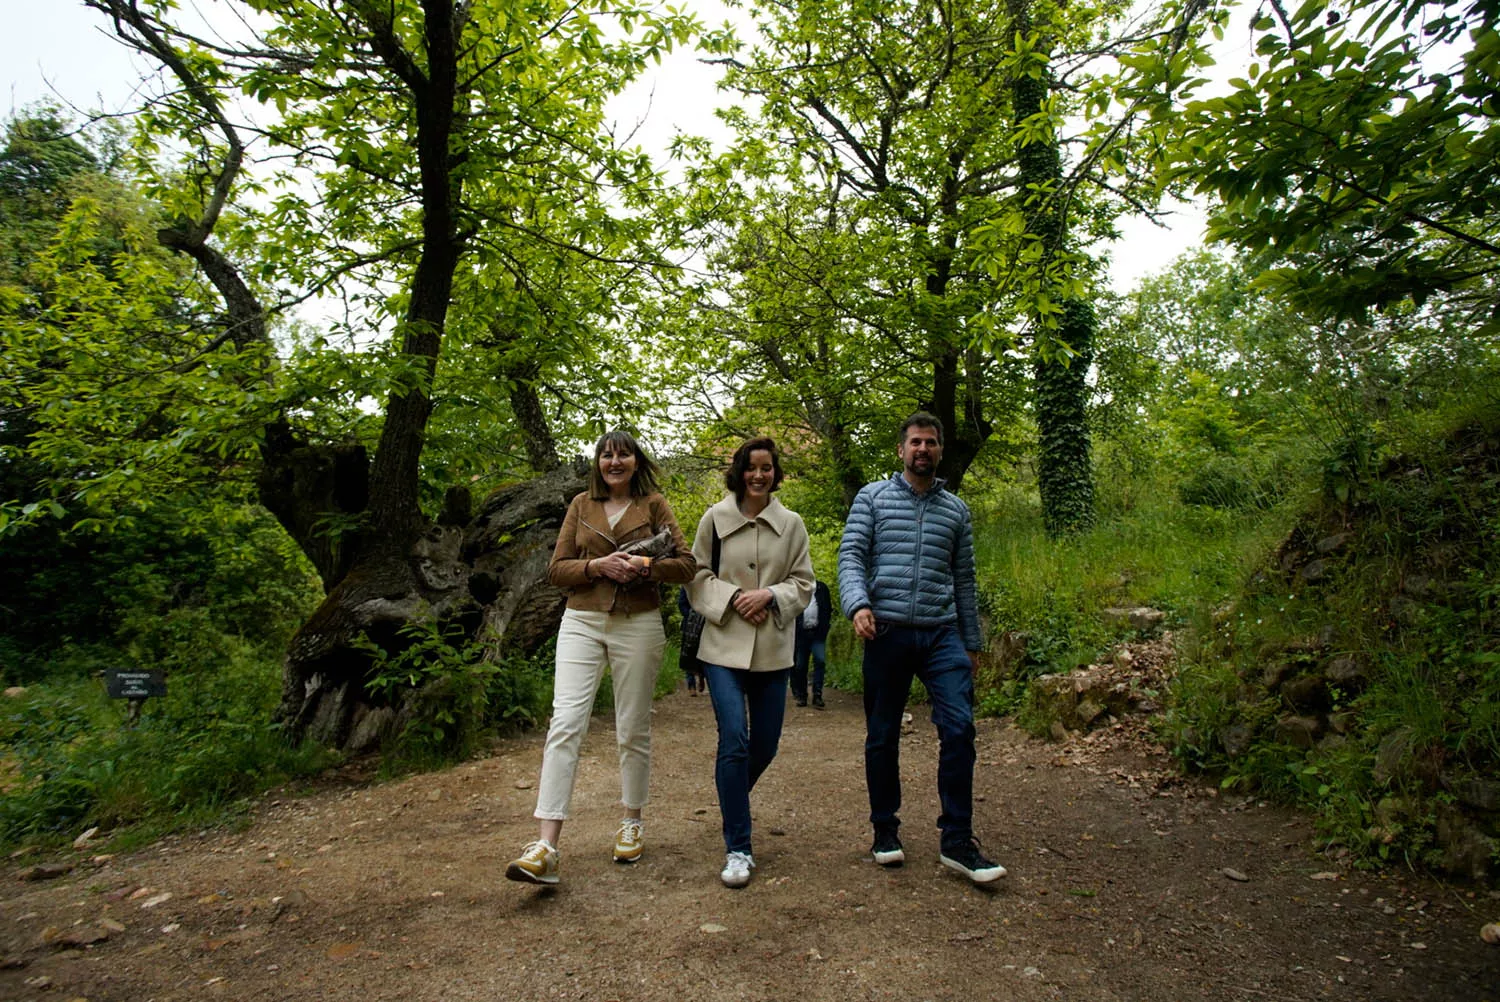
(692, 630)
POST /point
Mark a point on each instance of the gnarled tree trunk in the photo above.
(486, 574)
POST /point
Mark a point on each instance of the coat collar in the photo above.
(938, 484)
(636, 514)
(727, 518)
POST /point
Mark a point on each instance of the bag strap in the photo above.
(714, 561)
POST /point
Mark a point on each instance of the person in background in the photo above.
(613, 618)
(906, 581)
(687, 651)
(812, 644)
(754, 578)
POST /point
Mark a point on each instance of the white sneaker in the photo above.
(737, 867)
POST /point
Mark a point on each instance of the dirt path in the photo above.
(1117, 891)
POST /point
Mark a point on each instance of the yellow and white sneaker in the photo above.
(537, 864)
(628, 846)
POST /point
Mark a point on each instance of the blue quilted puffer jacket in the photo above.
(910, 558)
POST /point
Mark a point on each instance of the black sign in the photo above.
(123, 683)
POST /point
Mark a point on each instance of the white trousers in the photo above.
(631, 645)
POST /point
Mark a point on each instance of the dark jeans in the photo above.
(817, 650)
(750, 707)
(935, 655)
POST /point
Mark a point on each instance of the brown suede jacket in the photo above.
(586, 534)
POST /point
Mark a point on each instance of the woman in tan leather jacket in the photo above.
(612, 618)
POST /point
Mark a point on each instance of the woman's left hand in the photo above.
(752, 605)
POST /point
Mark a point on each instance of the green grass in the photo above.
(73, 762)
(1183, 560)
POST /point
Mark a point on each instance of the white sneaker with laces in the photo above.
(737, 867)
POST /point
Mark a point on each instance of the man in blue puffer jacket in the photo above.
(906, 580)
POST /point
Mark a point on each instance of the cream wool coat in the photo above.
(770, 551)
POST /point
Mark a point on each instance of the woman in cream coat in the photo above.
(755, 577)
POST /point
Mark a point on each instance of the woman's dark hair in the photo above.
(734, 477)
(642, 482)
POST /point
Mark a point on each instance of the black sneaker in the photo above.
(818, 701)
(800, 700)
(968, 860)
(887, 848)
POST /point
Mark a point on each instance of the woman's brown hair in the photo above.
(642, 482)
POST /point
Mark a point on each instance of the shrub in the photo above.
(1228, 482)
(451, 691)
(74, 762)
(1406, 559)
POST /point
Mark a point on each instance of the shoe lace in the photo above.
(970, 850)
(630, 830)
(737, 861)
(536, 851)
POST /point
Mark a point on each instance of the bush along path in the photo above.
(1126, 882)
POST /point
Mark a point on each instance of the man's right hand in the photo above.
(864, 624)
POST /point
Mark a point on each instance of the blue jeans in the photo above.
(817, 652)
(750, 706)
(935, 655)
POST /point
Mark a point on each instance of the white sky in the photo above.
(60, 50)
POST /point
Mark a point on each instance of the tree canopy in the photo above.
(1361, 153)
